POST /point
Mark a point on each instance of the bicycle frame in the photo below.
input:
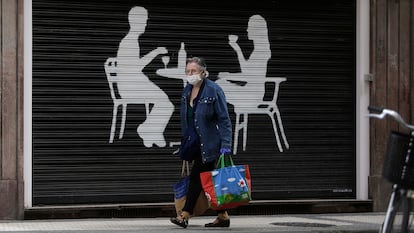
(401, 193)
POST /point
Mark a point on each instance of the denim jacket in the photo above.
(211, 119)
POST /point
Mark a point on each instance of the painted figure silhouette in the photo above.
(134, 84)
(250, 81)
(245, 90)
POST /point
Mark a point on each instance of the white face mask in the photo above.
(193, 79)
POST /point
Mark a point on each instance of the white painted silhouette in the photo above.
(245, 90)
(176, 72)
(135, 86)
(111, 70)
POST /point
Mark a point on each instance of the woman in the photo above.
(204, 110)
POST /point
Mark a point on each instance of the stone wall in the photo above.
(11, 109)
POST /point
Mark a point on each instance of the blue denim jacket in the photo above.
(211, 119)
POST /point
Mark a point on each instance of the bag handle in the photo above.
(222, 159)
(183, 170)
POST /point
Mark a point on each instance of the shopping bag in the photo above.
(180, 194)
(228, 186)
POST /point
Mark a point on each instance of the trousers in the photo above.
(195, 187)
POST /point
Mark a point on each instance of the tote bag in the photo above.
(180, 193)
(227, 186)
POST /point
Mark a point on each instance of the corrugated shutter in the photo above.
(312, 45)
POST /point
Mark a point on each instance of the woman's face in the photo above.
(193, 68)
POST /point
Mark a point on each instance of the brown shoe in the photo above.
(219, 223)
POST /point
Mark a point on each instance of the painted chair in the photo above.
(263, 107)
(112, 76)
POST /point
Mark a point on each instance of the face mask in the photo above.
(193, 79)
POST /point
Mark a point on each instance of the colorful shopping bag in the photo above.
(180, 194)
(227, 187)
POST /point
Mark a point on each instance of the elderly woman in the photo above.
(204, 111)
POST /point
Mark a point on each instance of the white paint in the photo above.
(176, 72)
(362, 99)
(27, 104)
(134, 84)
(254, 75)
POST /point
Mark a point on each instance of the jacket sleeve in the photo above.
(223, 120)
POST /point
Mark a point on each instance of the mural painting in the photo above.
(107, 81)
(134, 86)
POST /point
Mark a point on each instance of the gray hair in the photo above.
(199, 61)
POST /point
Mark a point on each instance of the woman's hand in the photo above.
(225, 151)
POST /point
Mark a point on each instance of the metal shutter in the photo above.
(312, 45)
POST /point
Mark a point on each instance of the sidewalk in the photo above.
(349, 222)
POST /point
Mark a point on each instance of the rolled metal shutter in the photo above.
(312, 45)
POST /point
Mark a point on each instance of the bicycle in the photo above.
(398, 168)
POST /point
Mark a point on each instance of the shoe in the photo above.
(179, 222)
(219, 223)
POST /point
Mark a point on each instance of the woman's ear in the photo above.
(205, 73)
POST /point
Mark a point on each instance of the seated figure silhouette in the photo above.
(245, 90)
(133, 83)
(250, 81)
